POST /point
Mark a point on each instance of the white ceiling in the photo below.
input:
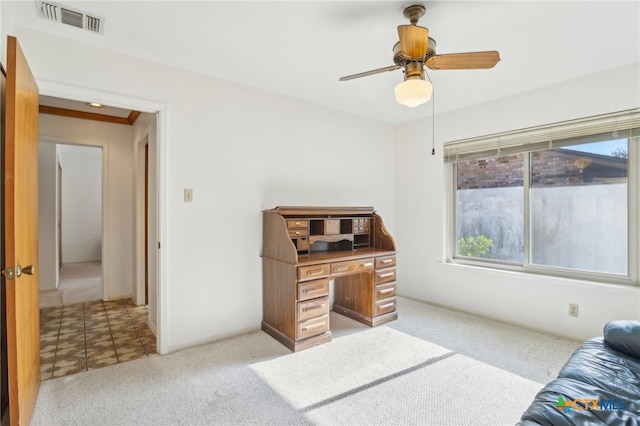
(301, 48)
(83, 106)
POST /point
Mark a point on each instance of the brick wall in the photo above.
(551, 167)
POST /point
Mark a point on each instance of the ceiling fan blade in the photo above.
(464, 61)
(413, 40)
(372, 72)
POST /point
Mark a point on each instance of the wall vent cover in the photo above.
(70, 16)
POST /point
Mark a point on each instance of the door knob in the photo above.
(26, 270)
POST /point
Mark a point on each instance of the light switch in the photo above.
(188, 195)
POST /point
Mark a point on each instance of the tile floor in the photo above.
(90, 335)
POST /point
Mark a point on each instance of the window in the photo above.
(558, 206)
(490, 208)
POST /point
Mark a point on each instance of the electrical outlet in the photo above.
(573, 310)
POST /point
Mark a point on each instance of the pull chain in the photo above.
(433, 123)
(433, 117)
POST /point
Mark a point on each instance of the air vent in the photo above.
(70, 16)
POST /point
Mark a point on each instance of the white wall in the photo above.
(421, 198)
(81, 203)
(115, 140)
(241, 151)
(47, 217)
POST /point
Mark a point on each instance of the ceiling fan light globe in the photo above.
(413, 92)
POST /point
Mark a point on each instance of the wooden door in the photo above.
(21, 235)
(4, 381)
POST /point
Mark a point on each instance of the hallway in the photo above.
(78, 282)
(90, 335)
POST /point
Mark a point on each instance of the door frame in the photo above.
(59, 217)
(49, 88)
(104, 211)
(141, 219)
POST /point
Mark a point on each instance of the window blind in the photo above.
(617, 125)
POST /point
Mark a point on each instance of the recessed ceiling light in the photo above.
(95, 104)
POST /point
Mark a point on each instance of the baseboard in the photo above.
(113, 298)
(153, 328)
(490, 317)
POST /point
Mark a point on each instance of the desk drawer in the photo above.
(386, 290)
(352, 266)
(361, 226)
(385, 262)
(291, 224)
(385, 275)
(313, 327)
(313, 272)
(311, 289)
(313, 308)
(385, 306)
(298, 232)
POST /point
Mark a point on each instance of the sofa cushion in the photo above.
(599, 365)
(623, 336)
(595, 371)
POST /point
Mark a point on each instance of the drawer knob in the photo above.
(386, 261)
(314, 272)
(385, 290)
(388, 274)
(365, 265)
(386, 305)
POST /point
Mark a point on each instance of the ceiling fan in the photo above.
(415, 51)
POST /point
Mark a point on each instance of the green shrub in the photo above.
(474, 246)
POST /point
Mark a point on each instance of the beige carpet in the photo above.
(383, 376)
(313, 377)
(430, 367)
(79, 282)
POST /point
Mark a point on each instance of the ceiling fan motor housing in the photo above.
(414, 70)
(402, 59)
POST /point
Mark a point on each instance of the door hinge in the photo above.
(8, 273)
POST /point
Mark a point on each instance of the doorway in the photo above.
(149, 126)
(114, 327)
(70, 224)
(123, 250)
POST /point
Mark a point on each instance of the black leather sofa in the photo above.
(598, 385)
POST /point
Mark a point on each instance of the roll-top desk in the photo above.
(303, 248)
